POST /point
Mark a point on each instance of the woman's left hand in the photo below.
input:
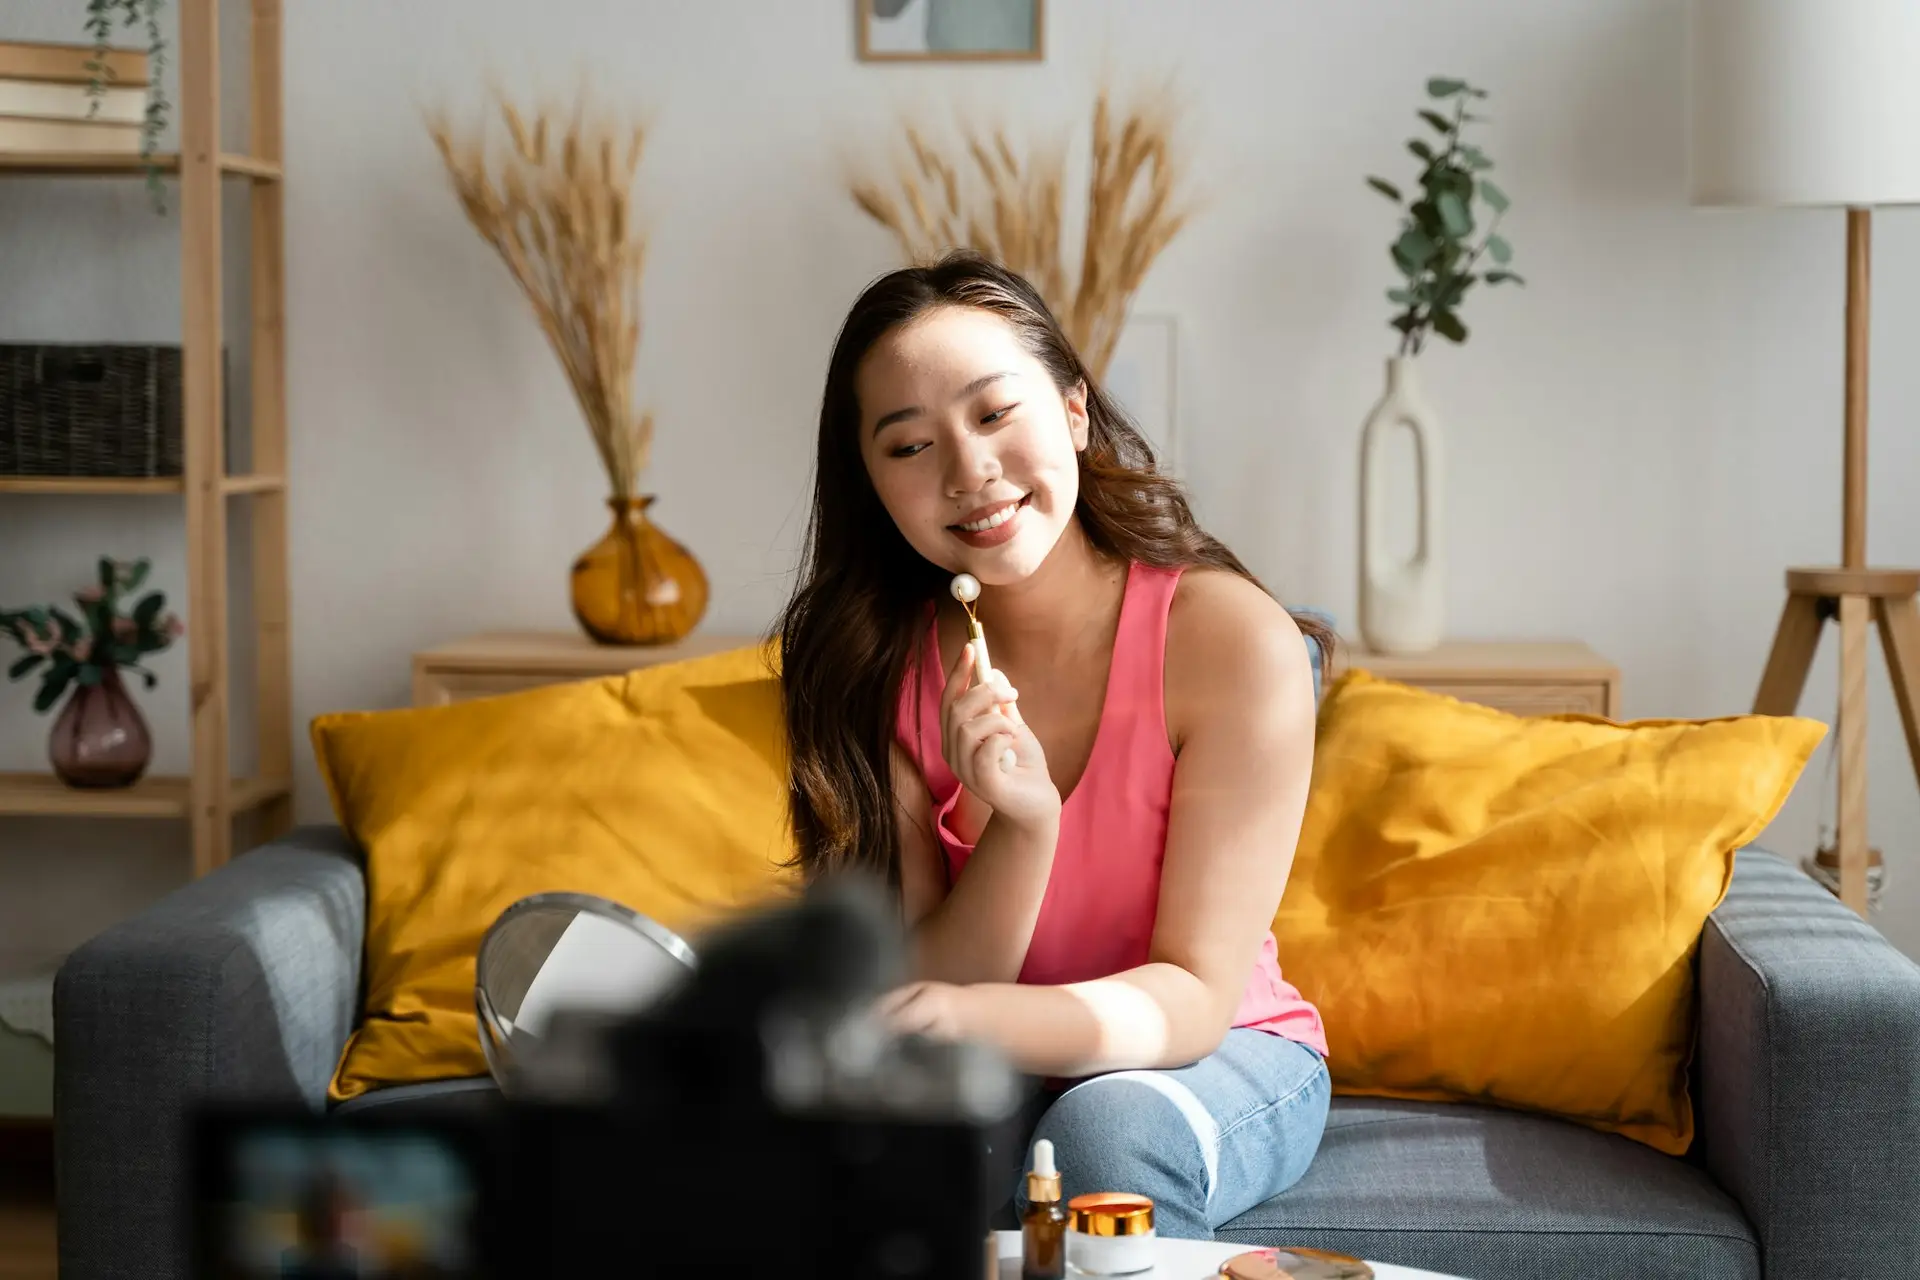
(935, 1010)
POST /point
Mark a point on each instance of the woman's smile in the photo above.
(990, 526)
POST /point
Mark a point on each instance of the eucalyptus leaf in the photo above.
(25, 665)
(1496, 198)
(1413, 249)
(1385, 188)
(1442, 87)
(1401, 296)
(1453, 213)
(1499, 250)
(149, 609)
(1421, 149)
(106, 574)
(1453, 291)
(1502, 277)
(137, 574)
(1438, 121)
(1448, 326)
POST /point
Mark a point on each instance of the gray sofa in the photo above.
(1808, 1083)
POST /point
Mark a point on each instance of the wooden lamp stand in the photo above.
(1850, 594)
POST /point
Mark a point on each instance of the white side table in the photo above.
(1191, 1260)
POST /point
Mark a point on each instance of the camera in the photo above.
(756, 1119)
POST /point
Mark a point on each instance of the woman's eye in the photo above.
(908, 450)
(997, 415)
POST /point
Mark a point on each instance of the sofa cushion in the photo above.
(663, 789)
(1502, 1195)
(466, 1095)
(1493, 908)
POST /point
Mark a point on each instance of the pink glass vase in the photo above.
(100, 738)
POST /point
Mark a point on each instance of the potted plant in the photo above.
(1444, 247)
(100, 738)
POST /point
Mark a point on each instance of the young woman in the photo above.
(1100, 907)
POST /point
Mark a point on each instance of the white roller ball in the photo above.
(965, 588)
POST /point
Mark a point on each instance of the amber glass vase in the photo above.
(100, 739)
(636, 585)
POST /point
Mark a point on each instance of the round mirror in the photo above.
(566, 952)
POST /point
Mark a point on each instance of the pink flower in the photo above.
(82, 649)
(88, 595)
(173, 627)
(123, 628)
(40, 644)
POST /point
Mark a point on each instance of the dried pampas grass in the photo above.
(1011, 208)
(558, 211)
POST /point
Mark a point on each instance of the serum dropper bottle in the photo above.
(1043, 1229)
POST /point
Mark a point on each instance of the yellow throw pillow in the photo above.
(1497, 909)
(664, 789)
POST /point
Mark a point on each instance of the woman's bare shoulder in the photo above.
(1230, 646)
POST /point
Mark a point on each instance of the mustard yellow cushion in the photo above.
(1499, 909)
(664, 789)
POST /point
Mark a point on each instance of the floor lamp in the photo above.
(1817, 103)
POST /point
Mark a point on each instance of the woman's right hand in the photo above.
(979, 723)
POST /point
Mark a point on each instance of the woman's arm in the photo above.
(979, 929)
(1240, 700)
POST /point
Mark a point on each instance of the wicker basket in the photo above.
(91, 410)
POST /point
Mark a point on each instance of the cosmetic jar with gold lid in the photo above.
(1109, 1233)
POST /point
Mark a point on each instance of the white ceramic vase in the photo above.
(1402, 603)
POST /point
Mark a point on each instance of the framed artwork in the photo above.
(1143, 377)
(950, 30)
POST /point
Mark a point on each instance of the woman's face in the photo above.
(971, 447)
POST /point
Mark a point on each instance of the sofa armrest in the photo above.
(242, 985)
(1810, 1076)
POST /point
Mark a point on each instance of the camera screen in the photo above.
(301, 1202)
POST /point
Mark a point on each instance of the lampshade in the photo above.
(1804, 102)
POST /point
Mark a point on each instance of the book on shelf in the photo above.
(52, 100)
(67, 63)
(20, 134)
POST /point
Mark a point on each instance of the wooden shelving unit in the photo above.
(44, 795)
(208, 798)
(80, 164)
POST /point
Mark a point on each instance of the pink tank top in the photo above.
(1097, 916)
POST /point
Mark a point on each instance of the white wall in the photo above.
(1639, 442)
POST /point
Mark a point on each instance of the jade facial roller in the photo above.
(966, 589)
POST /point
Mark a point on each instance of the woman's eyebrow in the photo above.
(913, 410)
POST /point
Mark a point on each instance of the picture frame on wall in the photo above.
(951, 30)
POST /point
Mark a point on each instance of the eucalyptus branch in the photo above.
(1435, 249)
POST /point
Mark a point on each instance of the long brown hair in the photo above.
(860, 606)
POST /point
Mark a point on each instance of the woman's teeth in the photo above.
(995, 520)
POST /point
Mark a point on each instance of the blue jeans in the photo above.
(1207, 1142)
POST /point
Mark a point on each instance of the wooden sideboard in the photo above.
(1527, 678)
(1524, 677)
(508, 661)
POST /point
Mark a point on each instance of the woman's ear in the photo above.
(1076, 400)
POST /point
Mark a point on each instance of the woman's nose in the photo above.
(971, 466)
